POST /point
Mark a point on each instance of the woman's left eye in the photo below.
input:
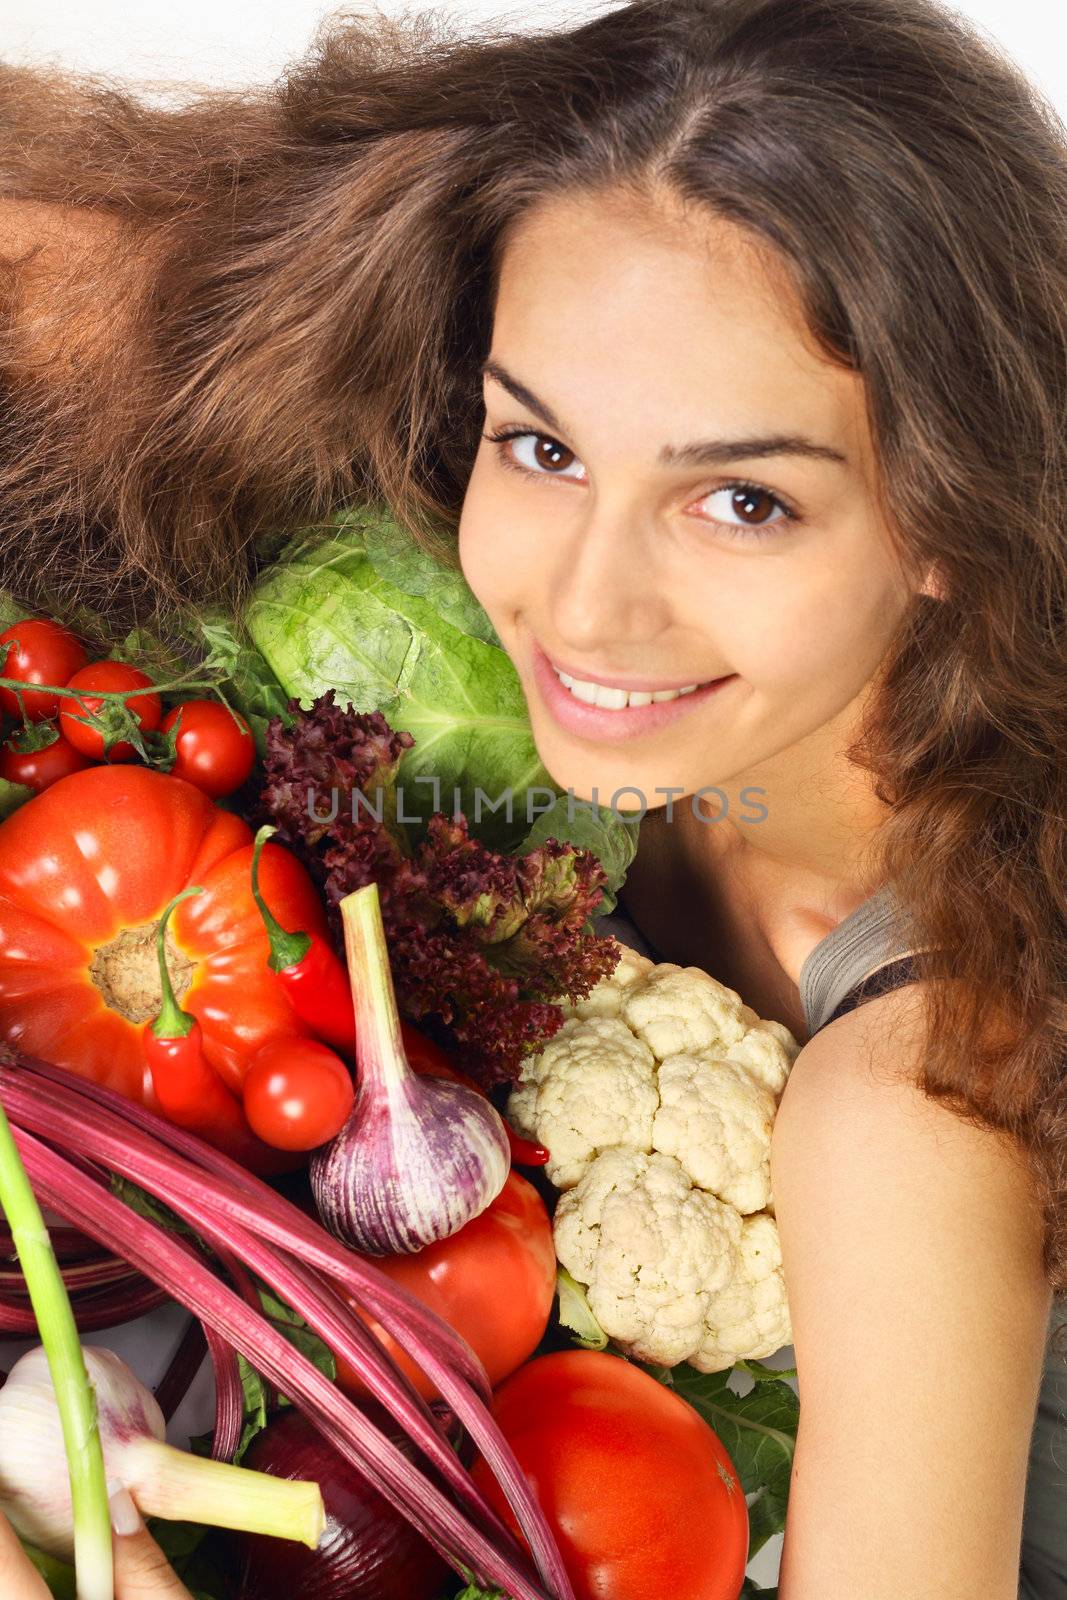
(545, 455)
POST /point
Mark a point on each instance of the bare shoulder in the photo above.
(911, 1243)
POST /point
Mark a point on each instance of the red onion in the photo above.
(368, 1551)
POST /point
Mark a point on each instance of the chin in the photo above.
(607, 772)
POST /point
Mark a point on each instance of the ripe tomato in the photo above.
(297, 1093)
(638, 1489)
(493, 1282)
(37, 651)
(38, 768)
(86, 870)
(214, 746)
(111, 676)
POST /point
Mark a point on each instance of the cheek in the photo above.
(797, 630)
(493, 555)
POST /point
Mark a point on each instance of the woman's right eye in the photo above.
(541, 459)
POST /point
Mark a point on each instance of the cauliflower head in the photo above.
(656, 1100)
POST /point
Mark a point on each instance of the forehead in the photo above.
(679, 316)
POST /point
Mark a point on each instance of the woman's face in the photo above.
(602, 541)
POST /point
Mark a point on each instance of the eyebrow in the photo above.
(700, 453)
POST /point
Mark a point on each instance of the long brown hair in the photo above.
(289, 292)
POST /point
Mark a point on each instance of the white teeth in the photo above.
(598, 694)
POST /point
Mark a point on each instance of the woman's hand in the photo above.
(142, 1571)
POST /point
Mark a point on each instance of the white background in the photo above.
(243, 41)
(237, 42)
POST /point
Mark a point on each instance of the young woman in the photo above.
(723, 343)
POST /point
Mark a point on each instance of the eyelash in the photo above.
(506, 459)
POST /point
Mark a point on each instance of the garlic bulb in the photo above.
(419, 1157)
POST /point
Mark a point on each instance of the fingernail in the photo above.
(125, 1517)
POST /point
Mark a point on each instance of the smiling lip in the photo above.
(595, 722)
(643, 685)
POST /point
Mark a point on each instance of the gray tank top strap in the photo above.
(863, 956)
(877, 933)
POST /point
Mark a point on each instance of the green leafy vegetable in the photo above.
(482, 943)
(250, 685)
(611, 838)
(759, 1429)
(360, 608)
(574, 1313)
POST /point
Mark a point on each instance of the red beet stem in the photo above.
(141, 1160)
(155, 1253)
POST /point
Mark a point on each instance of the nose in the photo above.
(605, 586)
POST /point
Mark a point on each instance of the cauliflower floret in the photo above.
(606, 997)
(652, 1249)
(768, 1050)
(749, 1318)
(716, 1119)
(678, 1010)
(522, 1109)
(592, 1086)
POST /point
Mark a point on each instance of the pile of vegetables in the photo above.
(273, 1032)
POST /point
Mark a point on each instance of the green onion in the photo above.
(75, 1397)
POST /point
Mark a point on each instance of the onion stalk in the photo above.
(75, 1399)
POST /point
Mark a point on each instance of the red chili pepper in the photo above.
(311, 972)
(189, 1090)
(524, 1153)
(426, 1056)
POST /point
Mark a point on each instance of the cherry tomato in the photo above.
(214, 747)
(297, 1094)
(611, 1456)
(38, 768)
(493, 1282)
(112, 676)
(37, 651)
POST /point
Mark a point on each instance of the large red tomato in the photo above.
(86, 869)
(493, 1282)
(640, 1492)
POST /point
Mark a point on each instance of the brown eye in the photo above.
(536, 454)
(550, 454)
(752, 504)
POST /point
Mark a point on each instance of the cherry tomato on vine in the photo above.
(297, 1093)
(214, 746)
(112, 677)
(39, 768)
(37, 651)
